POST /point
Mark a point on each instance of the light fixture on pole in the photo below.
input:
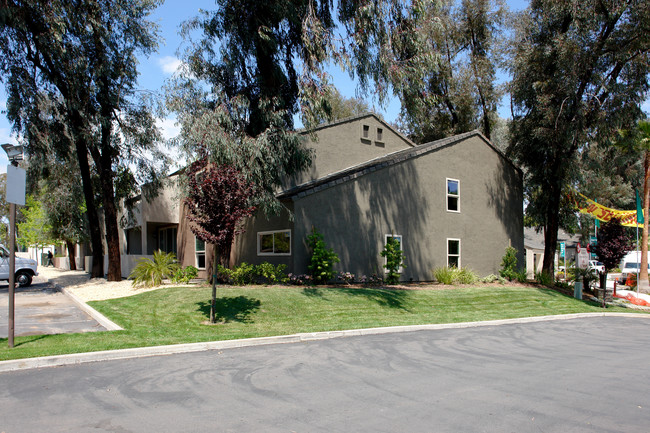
(15, 194)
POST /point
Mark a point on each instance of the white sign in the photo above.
(582, 259)
(16, 180)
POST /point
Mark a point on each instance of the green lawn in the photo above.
(179, 315)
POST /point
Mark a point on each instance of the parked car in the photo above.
(25, 269)
(596, 266)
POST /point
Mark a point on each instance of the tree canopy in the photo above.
(78, 59)
(560, 107)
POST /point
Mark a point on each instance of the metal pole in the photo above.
(638, 259)
(12, 276)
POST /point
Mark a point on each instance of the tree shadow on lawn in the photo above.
(384, 297)
(231, 309)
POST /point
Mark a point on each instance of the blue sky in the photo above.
(161, 65)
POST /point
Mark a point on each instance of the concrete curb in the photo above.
(99, 317)
(108, 355)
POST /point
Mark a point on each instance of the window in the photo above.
(380, 134)
(453, 195)
(398, 238)
(453, 253)
(199, 251)
(167, 240)
(274, 243)
(365, 132)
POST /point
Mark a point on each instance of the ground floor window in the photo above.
(398, 238)
(453, 253)
(199, 251)
(167, 239)
(274, 243)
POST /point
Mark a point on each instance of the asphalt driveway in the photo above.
(42, 309)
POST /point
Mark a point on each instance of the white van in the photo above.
(631, 264)
(26, 269)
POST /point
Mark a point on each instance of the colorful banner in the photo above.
(602, 213)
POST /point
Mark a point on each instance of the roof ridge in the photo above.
(372, 165)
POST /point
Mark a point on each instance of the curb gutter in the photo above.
(109, 355)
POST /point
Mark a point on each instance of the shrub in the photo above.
(184, 275)
(544, 279)
(239, 275)
(447, 275)
(373, 280)
(224, 275)
(509, 264)
(300, 280)
(394, 259)
(444, 275)
(345, 277)
(493, 279)
(150, 273)
(521, 276)
(272, 274)
(465, 276)
(322, 258)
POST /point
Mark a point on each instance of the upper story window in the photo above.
(380, 134)
(453, 195)
(365, 132)
(274, 243)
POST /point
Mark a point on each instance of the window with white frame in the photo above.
(398, 238)
(199, 251)
(274, 243)
(453, 253)
(453, 195)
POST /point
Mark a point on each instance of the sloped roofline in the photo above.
(379, 163)
(354, 119)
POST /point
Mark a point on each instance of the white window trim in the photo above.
(196, 255)
(447, 195)
(401, 247)
(460, 265)
(259, 253)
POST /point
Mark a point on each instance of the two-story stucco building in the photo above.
(456, 201)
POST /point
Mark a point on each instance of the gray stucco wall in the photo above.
(245, 245)
(409, 199)
(341, 145)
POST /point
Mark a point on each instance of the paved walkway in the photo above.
(43, 308)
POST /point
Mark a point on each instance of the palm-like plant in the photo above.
(150, 273)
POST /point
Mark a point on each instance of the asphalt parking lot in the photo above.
(42, 309)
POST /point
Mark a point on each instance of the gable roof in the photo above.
(375, 164)
(354, 119)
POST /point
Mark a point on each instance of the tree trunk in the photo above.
(213, 303)
(643, 273)
(97, 267)
(70, 246)
(550, 231)
(110, 223)
(105, 167)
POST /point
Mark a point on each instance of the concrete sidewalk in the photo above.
(45, 307)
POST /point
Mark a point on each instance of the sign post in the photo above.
(15, 194)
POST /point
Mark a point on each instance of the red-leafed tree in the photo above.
(613, 244)
(218, 200)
